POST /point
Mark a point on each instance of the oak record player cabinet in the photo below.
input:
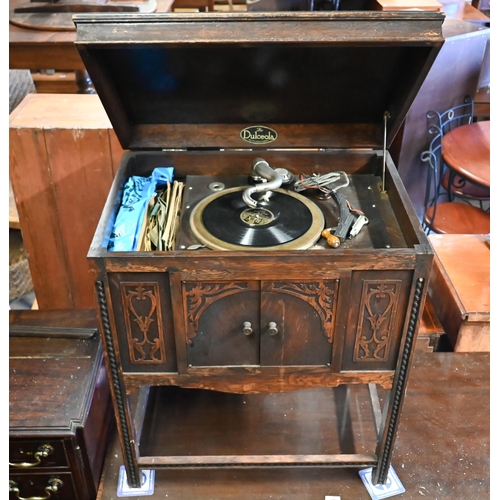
(180, 90)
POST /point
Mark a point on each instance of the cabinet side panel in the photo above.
(144, 323)
(378, 306)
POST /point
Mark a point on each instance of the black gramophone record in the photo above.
(282, 219)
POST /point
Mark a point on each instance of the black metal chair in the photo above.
(442, 123)
(442, 215)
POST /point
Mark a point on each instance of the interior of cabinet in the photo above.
(389, 225)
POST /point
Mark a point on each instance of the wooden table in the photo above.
(460, 289)
(442, 449)
(466, 150)
(39, 49)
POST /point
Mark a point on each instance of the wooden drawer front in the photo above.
(24, 452)
(266, 323)
(143, 316)
(378, 306)
(32, 485)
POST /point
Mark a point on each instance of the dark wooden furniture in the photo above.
(59, 405)
(466, 150)
(460, 289)
(341, 316)
(442, 450)
(200, 5)
(55, 15)
(430, 331)
(408, 5)
(37, 49)
(482, 103)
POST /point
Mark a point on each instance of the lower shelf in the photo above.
(310, 427)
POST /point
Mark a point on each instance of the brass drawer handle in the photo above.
(53, 486)
(43, 451)
(247, 328)
(272, 328)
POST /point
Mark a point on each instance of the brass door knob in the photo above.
(272, 328)
(247, 328)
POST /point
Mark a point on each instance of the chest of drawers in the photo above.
(59, 406)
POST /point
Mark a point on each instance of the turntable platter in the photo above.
(284, 220)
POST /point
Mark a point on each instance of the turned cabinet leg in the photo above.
(392, 411)
(120, 402)
(83, 82)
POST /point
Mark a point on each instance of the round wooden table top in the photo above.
(466, 150)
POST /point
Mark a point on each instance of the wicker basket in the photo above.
(19, 279)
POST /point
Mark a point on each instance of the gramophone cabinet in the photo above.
(309, 92)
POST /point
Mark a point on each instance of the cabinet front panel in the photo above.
(222, 321)
(378, 305)
(303, 313)
(143, 317)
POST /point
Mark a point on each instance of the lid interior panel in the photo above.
(320, 80)
(264, 84)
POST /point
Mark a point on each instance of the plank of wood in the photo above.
(13, 214)
(451, 391)
(466, 259)
(63, 158)
(432, 5)
(460, 289)
(60, 111)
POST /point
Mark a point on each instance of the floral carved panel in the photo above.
(379, 304)
(199, 296)
(320, 295)
(143, 322)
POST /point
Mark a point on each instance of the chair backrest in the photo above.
(451, 217)
(433, 187)
(463, 114)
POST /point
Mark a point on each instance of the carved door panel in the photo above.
(379, 304)
(297, 320)
(222, 320)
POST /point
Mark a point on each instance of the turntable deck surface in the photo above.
(363, 194)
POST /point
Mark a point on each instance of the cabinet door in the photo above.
(297, 320)
(222, 320)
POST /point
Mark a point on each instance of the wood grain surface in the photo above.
(466, 149)
(63, 156)
(442, 449)
(460, 289)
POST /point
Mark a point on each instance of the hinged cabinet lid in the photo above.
(258, 80)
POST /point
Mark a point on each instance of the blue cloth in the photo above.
(136, 195)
